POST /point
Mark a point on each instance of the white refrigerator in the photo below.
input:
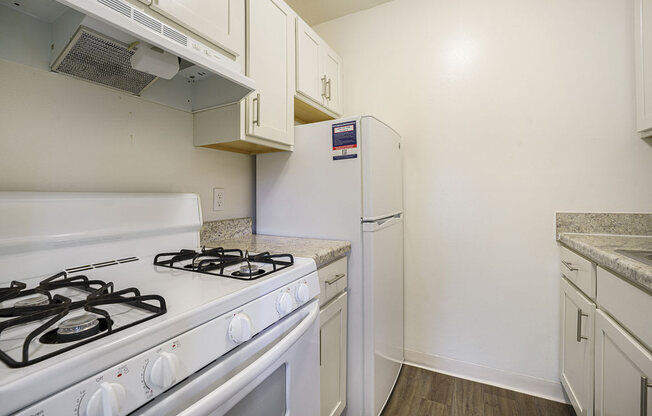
(344, 181)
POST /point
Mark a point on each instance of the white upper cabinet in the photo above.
(643, 54)
(270, 62)
(333, 84)
(221, 22)
(319, 71)
(310, 77)
(264, 121)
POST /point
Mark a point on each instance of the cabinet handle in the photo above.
(579, 325)
(335, 279)
(257, 120)
(328, 83)
(569, 265)
(323, 86)
(645, 384)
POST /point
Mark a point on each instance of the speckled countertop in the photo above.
(322, 251)
(601, 248)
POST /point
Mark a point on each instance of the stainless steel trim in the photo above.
(579, 325)
(383, 219)
(256, 121)
(335, 279)
(645, 384)
(569, 265)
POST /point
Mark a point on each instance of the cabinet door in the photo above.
(577, 348)
(643, 62)
(311, 81)
(623, 371)
(270, 62)
(332, 357)
(219, 21)
(332, 65)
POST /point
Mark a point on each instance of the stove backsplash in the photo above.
(225, 229)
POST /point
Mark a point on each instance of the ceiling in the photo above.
(319, 11)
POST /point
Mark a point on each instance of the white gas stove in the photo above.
(133, 320)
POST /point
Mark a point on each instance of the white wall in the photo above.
(510, 110)
(61, 134)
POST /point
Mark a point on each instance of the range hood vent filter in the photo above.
(99, 59)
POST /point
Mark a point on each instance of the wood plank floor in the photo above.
(420, 392)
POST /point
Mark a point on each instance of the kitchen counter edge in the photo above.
(322, 251)
(601, 249)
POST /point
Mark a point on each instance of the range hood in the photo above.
(96, 40)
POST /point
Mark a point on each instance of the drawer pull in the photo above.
(570, 266)
(335, 279)
(579, 325)
(645, 384)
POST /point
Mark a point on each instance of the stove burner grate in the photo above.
(214, 262)
(96, 324)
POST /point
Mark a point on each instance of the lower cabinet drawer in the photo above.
(578, 270)
(332, 280)
(629, 305)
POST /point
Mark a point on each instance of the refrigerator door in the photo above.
(383, 300)
(306, 193)
(382, 176)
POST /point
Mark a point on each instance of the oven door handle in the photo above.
(236, 383)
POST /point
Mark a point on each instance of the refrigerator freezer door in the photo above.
(382, 175)
(383, 300)
(306, 193)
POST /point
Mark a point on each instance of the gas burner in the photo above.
(38, 300)
(222, 262)
(79, 327)
(248, 270)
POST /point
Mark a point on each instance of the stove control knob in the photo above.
(240, 328)
(164, 370)
(303, 293)
(107, 400)
(284, 304)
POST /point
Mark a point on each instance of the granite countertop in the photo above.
(601, 248)
(322, 251)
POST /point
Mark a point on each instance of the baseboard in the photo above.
(551, 390)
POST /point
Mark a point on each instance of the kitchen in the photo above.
(512, 116)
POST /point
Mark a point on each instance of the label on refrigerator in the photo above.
(345, 141)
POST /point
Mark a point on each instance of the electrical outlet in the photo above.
(218, 199)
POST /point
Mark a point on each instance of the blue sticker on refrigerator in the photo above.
(345, 141)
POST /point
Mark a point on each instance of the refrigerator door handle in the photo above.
(375, 225)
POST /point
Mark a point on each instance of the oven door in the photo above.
(275, 373)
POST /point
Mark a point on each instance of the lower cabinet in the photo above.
(332, 356)
(623, 371)
(606, 363)
(577, 348)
